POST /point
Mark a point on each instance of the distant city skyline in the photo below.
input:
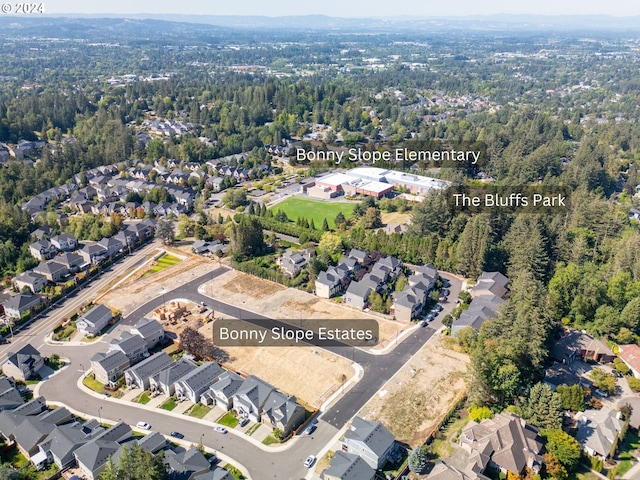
(339, 8)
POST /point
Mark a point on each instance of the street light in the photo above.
(202, 439)
(100, 415)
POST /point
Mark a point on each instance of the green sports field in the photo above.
(315, 210)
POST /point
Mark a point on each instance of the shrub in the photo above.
(477, 414)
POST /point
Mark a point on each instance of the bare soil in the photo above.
(422, 392)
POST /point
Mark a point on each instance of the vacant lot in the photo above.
(165, 261)
(396, 217)
(316, 210)
(413, 402)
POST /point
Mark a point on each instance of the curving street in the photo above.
(283, 462)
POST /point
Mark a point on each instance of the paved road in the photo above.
(286, 465)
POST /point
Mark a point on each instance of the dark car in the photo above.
(438, 308)
(445, 292)
(177, 435)
(244, 422)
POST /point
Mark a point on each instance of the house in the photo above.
(390, 228)
(165, 380)
(630, 354)
(558, 374)
(150, 330)
(41, 233)
(599, 431)
(505, 441)
(111, 245)
(65, 242)
(330, 283)
(95, 320)
(577, 344)
(493, 283)
(133, 346)
(291, 263)
(347, 466)
(214, 183)
(72, 261)
(154, 442)
(360, 255)
(251, 397)
(357, 294)
(222, 391)
(369, 440)
(10, 398)
(127, 238)
(392, 264)
(24, 364)
(185, 464)
(94, 253)
(408, 304)
(109, 367)
(215, 474)
(19, 304)
(64, 440)
(43, 250)
(139, 376)
(52, 271)
(480, 310)
(460, 466)
(283, 412)
(198, 381)
(93, 456)
(31, 280)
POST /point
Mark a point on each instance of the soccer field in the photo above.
(296, 207)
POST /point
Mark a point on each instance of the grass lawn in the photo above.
(165, 261)
(228, 420)
(630, 444)
(169, 404)
(442, 443)
(62, 334)
(270, 440)
(198, 411)
(315, 210)
(93, 384)
(235, 473)
(143, 398)
(583, 473)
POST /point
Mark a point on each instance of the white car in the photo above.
(143, 425)
(311, 459)
(220, 429)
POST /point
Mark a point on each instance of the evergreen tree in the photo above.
(339, 220)
(325, 225)
(543, 408)
(418, 459)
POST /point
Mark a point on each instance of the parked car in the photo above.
(220, 429)
(438, 307)
(430, 317)
(244, 422)
(602, 393)
(310, 429)
(143, 425)
(423, 323)
(442, 299)
(311, 459)
(445, 292)
(177, 435)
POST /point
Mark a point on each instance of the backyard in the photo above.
(316, 210)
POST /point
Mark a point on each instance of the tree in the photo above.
(234, 198)
(620, 366)
(372, 218)
(135, 463)
(603, 381)
(564, 447)
(165, 231)
(543, 408)
(473, 246)
(325, 225)
(554, 468)
(339, 220)
(418, 459)
(247, 238)
(186, 226)
(477, 414)
(572, 397)
(330, 243)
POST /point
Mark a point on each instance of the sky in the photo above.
(350, 8)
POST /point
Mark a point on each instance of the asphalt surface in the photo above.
(286, 465)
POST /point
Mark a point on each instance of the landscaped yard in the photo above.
(630, 445)
(63, 333)
(143, 398)
(169, 404)
(316, 210)
(165, 261)
(91, 382)
(235, 473)
(198, 411)
(270, 440)
(228, 420)
(583, 473)
(252, 429)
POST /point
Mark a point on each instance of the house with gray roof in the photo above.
(133, 346)
(493, 283)
(112, 245)
(126, 237)
(65, 242)
(92, 457)
(20, 304)
(95, 320)
(165, 380)
(599, 431)
(53, 271)
(330, 283)
(186, 464)
(10, 398)
(369, 440)
(198, 381)
(31, 280)
(360, 255)
(94, 253)
(109, 367)
(221, 392)
(408, 303)
(24, 364)
(216, 474)
(43, 250)
(139, 376)
(72, 261)
(357, 294)
(291, 263)
(393, 264)
(150, 330)
(477, 313)
(347, 466)
(250, 398)
(64, 440)
(282, 412)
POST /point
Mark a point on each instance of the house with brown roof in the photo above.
(630, 354)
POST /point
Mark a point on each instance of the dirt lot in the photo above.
(412, 403)
(276, 301)
(396, 217)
